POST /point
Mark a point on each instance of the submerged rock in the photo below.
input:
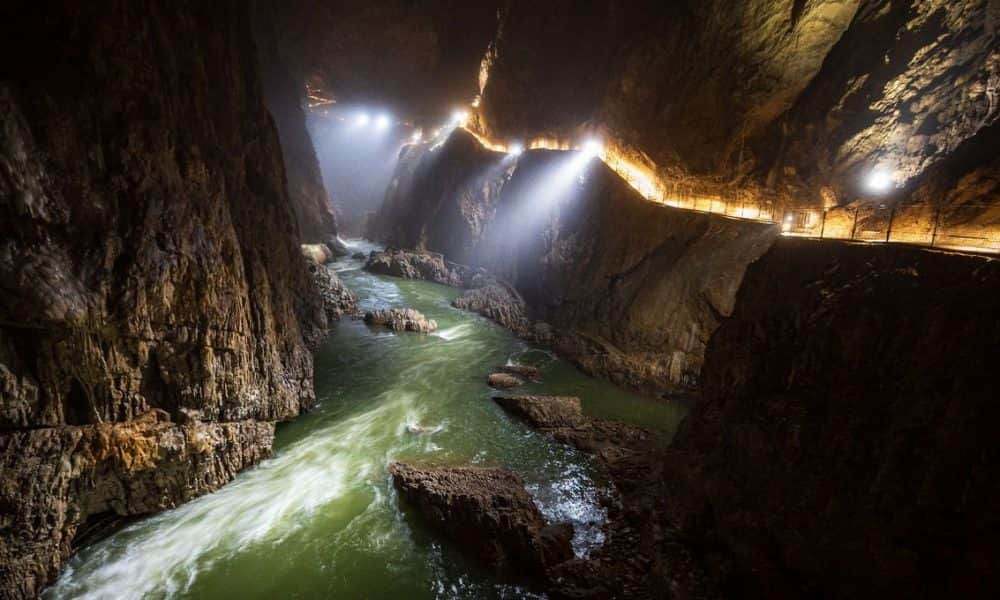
(358, 255)
(401, 319)
(503, 381)
(488, 513)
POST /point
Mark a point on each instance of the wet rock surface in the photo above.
(150, 262)
(622, 287)
(503, 381)
(487, 512)
(523, 371)
(642, 556)
(422, 265)
(338, 300)
(401, 319)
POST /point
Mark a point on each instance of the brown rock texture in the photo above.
(846, 441)
(401, 319)
(795, 98)
(630, 290)
(502, 381)
(487, 512)
(428, 266)
(283, 95)
(149, 259)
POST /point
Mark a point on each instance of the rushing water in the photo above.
(321, 518)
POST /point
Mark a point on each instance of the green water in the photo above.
(321, 519)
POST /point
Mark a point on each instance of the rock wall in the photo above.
(283, 91)
(153, 302)
(798, 99)
(845, 445)
(638, 286)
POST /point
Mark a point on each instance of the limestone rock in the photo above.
(487, 512)
(504, 381)
(401, 319)
(500, 303)
(544, 412)
(338, 300)
(150, 266)
(422, 265)
(319, 254)
(523, 371)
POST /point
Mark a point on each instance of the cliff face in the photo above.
(154, 302)
(637, 287)
(799, 97)
(283, 91)
(845, 445)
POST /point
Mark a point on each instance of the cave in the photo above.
(473, 299)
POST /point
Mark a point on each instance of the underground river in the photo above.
(320, 518)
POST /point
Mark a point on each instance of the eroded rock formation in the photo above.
(401, 319)
(631, 290)
(149, 259)
(488, 512)
(846, 439)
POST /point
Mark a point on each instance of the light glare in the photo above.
(593, 148)
(382, 122)
(362, 119)
(879, 181)
(515, 149)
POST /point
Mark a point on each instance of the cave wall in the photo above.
(797, 100)
(634, 289)
(283, 91)
(845, 445)
(154, 306)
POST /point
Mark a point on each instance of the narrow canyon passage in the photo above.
(463, 299)
(321, 518)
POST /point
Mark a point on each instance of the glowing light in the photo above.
(593, 148)
(459, 117)
(382, 122)
(417, 136)
(362, 119)
(515, 149)
(879, 181)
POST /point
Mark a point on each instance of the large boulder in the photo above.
(319, 254)
(544, 412)
(500, 303)
(424, 265)
(338, 299)
(401, 319)
(503, 381)
(488, 513)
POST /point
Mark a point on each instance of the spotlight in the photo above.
(417, 136)
(382, 122)
(515, 149)
(362, 119)
(459, 117)
(592, 148)
(879, 181)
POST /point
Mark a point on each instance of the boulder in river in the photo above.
(488, 513)
(503, 381)
(428, 266)
(319, 254)
(401, 319)
(544, 412)
(523, 371)
(358, 255)
(500, 303)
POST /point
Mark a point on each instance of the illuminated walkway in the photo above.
(916, 224)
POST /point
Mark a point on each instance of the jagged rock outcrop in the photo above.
(401, 319)
(54, 477)
(149, 259)
(623, 287)
(845, 444)
(338, 300)
(798, 98)
(502, 381)
(487, 512)
(428, 266)
(526, 372)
